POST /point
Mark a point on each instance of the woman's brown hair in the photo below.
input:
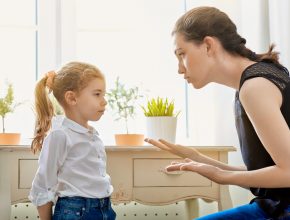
(200, 22)
(74, 76)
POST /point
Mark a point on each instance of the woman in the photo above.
(209, 49)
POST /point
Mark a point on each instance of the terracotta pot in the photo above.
(129, 140)
(9, 138)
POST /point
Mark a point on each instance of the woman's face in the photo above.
(193, 61)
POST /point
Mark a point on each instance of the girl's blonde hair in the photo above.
(74, 76)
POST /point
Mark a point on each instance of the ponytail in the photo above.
(270, 56)
(44, 113)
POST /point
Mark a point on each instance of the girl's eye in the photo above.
(97, 94)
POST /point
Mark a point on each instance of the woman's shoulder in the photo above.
(275, 73)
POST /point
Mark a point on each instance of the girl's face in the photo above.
(192, 61)
(90, 102)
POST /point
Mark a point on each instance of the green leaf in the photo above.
(7, 104)
(159, 107)
(123, 101)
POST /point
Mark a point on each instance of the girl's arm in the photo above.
(262, 101)
(45, 212)
(193, 154)
(52, 156)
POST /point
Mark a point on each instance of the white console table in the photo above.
(135, 173)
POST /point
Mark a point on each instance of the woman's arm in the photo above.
(261, 100)
(45, 211)
(193, 154)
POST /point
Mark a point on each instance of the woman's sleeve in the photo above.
(52, 156)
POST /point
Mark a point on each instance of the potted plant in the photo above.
(161, 119)
(123, 102)
(7, 105)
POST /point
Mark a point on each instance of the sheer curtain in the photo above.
(279, 26)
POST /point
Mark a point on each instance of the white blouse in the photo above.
(72, 162)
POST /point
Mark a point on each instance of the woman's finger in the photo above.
(175, 162)
(176, 149)
(174, 167)
(167, 143)
(157, 144)
(187, 160)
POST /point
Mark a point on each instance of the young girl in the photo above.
(209, 49)
(72, 162)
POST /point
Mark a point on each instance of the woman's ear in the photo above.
(70, 98)
(210, 44)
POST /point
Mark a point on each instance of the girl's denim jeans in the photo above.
(75, 208)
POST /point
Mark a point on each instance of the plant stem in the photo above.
(3, 127)
(127, 126)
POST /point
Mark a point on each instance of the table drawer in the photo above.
(148, 173)
(27, 170)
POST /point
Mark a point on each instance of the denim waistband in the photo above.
(86, 202)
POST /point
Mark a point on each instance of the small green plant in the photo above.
(159, 107)
(58, 110)
(123, 102)
(7, 105)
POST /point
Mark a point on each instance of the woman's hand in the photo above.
(179, 150)
(211, 172)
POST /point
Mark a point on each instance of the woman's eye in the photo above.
(97, 94)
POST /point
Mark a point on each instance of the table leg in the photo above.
(5, 193)
(225, 201)
(192, 208)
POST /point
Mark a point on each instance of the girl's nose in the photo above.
(105, 102)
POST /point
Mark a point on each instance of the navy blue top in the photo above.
(273, 201)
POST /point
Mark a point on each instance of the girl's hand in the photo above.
(208, 171)
(179, 150)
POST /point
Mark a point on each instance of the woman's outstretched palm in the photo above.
(179, 150)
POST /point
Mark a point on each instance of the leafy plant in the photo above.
(123, 101)
(7, 105)
(159, 107)
(58, 110)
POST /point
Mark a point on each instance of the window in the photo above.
(130, 39)
(18, 55)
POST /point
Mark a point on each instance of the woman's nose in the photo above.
(181, 69)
